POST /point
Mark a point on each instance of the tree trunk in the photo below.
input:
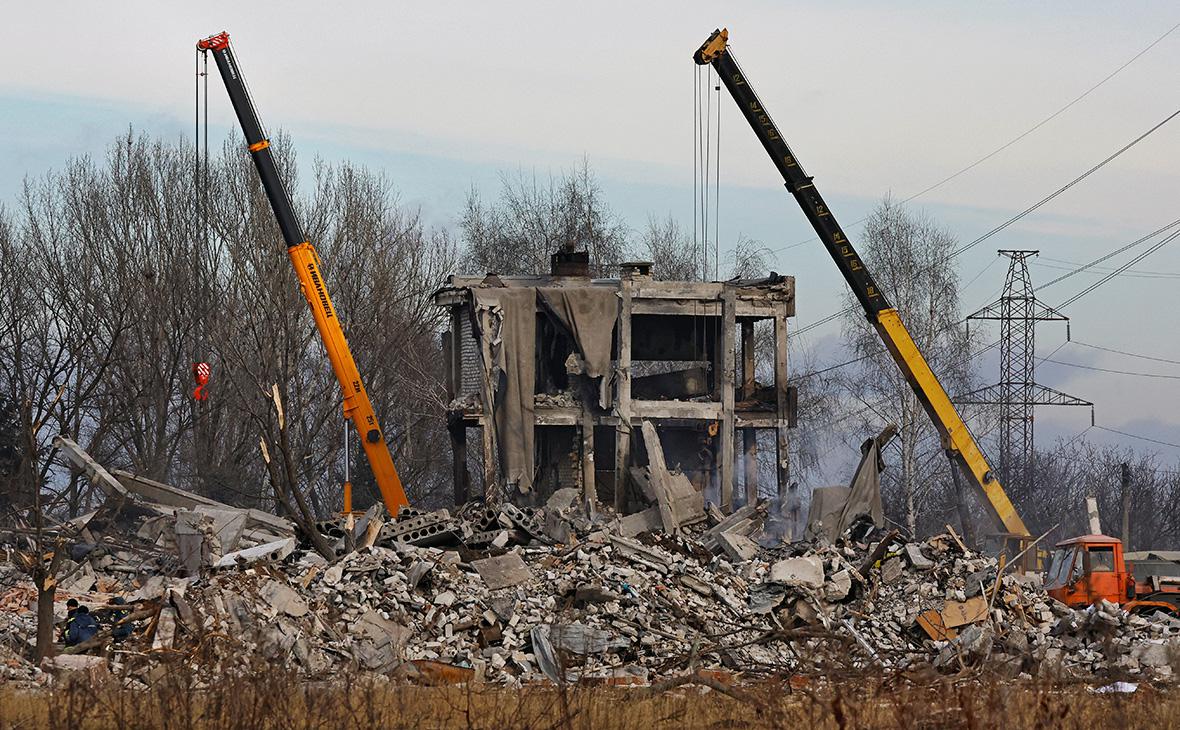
(45, 599)
(966, 524)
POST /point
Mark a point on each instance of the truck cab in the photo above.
(1086, 569)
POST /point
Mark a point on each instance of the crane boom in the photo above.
(956, 437)
(357, 406)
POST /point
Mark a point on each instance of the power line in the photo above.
(1014, 140)
(1128, 354)
(1141, 438)
(1067, 186)
(1115, 372)
(1025, 212)
(1071, 265)
(1155, 247)
(1112, 254)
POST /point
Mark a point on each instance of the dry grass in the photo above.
(275, 699)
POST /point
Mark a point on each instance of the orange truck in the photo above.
(1083, 570)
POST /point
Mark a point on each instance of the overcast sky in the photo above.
(875, 98)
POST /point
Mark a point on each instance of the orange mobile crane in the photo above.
(357, 406)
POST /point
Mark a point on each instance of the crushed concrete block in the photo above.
(891, 569)
(71, 663)
(639, 522)
(838, 586)
(913, 553)
(736, 547)
(503, 571)
(1152, 654)
(806, 571)
(283, 599)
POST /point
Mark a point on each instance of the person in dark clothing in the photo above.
(71, 609)
(119, 631)
(80, 627)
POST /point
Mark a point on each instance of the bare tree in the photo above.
(910, 256)
(751, 259)
(532, 220)
(670, 249)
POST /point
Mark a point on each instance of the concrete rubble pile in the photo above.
(515, 595)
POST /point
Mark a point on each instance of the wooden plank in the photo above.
(623, 398)
(726, 355)
(488, 449)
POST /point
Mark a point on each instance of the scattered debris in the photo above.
(491, 593)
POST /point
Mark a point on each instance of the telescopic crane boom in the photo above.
(956, 438)
(357, 406)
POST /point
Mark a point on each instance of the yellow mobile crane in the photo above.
(956, 438)
(357, 406)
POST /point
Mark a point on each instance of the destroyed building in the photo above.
(552, 381)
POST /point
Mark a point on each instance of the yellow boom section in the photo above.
(956, 437)
(357, 406)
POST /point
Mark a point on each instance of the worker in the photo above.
(80, 627)
(71, 609)
(120, 631)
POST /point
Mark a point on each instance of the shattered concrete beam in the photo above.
(92, 469)
(272, 551)
(161, 493)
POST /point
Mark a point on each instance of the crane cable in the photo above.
(1013, 219)
(201, 370)
(1012, 141)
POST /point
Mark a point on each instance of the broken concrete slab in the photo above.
(228, 525)
(640, 522)
(283, 599)
(271, 551)
(679, 502)
(640, 553)
(190, 540)
(737, 547)
(503, 571)
(806, 571)
(581, 639)
(165, 494)
(94, 471)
